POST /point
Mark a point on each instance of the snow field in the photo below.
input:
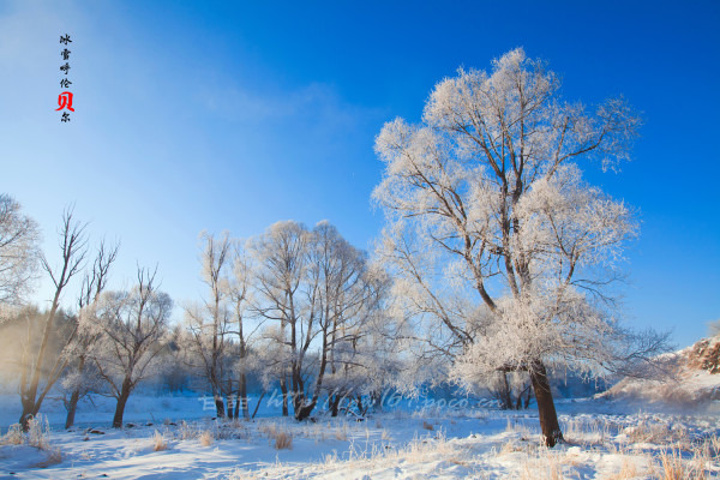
(479, 444)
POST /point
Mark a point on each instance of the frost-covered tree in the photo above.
(343, 294)
(82, 377)
(131, 327)
(492, 232)
(241, 297)
(281, 258)
(38, 373)
(18, 251)
(320, 296)
(209, 323)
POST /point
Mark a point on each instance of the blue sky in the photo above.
(210, 115)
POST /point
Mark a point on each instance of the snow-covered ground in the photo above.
(605, 440)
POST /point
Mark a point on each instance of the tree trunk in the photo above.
(376, 400)
(30, 410)
(284, 390)
(524, 394)
(121, 401)
(304, 411)
(72, 407)
(361, 410)
(75, 397)
(219, 407)
(230, 407)
(242, 398)
(257, 405)
(298, 390)
(506, 402)
(528, 398)
(546, 406)
(229, 400)
(29, 392)
(334, 405)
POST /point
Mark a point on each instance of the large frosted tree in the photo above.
(130, 328)
(497, 242)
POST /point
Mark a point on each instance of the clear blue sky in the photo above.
(234, 115)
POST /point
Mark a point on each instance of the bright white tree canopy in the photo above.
(495, 237)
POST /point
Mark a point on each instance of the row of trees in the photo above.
(299, 308)
(302, 308)
(112, 340)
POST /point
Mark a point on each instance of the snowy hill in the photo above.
(693, 379)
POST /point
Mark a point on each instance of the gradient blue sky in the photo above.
(234, 115)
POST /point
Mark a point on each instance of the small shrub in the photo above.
(283, 441)
(54, 457)
(39, 433)
(14, 436)
(159, 442)
(206, 438)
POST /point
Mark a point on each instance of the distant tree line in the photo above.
(294, 308)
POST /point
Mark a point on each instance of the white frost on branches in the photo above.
(503, 254)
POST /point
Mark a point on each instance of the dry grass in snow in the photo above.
(159, 442)
(476, 444)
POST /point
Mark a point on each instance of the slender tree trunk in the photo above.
(284, 390)
(75, 397)
(523, 395)
(121, 402)
(528, 397)
(257, 405)
(229, 399)
(546, 406)
(361, 409)
(219, 406)
(242, 397)
(376, 400)
(506, 402)
(72, 408)
(334, 404)
(303, 409)
(298, 391)
(28, 391)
